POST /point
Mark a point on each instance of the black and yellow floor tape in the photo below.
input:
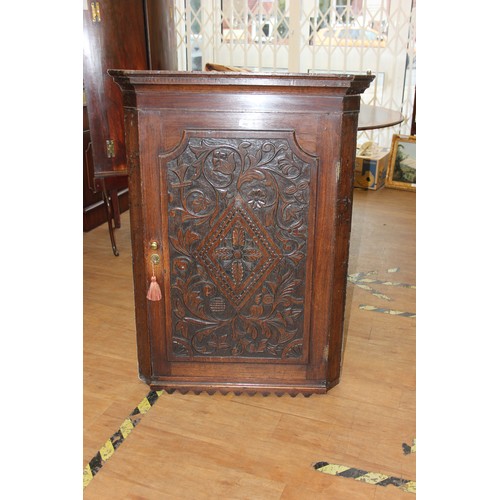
(128, 425)
(407, 449)
(361, 281)
(386, 283)
(364, 476)
(109, 447)
(392, 312)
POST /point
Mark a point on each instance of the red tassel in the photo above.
(154, 292)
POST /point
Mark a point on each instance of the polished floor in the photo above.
(255, 447)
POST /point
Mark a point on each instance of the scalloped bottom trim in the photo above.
(240, 388)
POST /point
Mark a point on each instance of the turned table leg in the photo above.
(111, 210)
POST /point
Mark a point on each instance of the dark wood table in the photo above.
(372, 117)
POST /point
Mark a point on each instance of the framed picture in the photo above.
(402, 169)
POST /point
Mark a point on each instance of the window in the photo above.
(327, 36)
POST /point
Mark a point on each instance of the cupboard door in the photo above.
(238, 210)
(114, 37)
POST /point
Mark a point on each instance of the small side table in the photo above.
(372, 117)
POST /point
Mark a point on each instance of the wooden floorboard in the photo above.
(256, 447)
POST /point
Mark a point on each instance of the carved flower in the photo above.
(236, 254)
(200, 203)
(223, 162)
(257, 198)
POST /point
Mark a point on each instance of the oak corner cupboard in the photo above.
(240, 207)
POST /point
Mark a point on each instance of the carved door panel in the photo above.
(239, 218)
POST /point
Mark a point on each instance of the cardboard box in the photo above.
(370, 171)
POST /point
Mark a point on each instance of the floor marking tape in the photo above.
(383, 282)
(371, 290)
(360, 280)
(392, 312)
(109, 447)
(358, 276)
(407, 449)
(364, 476)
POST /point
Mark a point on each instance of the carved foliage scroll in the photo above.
(238, 212)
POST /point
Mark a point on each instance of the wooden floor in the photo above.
(255, 447)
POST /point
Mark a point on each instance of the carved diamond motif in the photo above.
(238, 254)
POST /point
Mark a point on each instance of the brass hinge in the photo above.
(96, 12)
(110, 148)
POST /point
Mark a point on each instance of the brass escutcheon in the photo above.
(155, 259)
